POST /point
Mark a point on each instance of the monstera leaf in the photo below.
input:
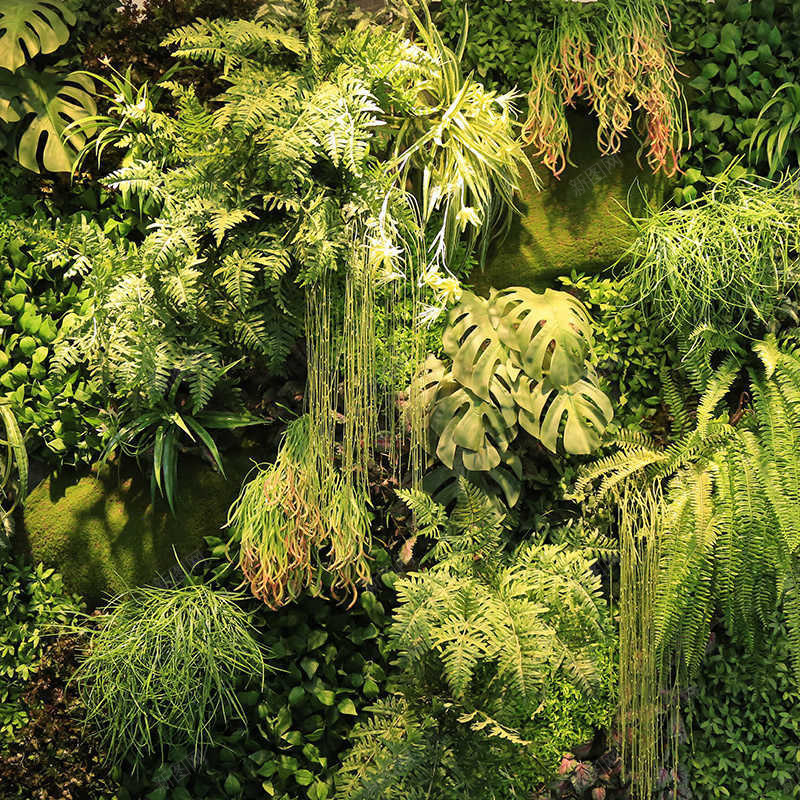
(52, 101)
(30, 27)
(549, 335)
(518, 359)
(546, 335)
(585, 408)
(474, 343)
(441, 483)
(472, 431)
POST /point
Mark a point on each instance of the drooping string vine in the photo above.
(296, 205)
(641, 691)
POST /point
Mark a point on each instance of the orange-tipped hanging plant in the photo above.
(615, 56)
(299, 523)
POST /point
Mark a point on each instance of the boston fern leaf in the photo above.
(683, 605)
(729, 516)
(229, 44)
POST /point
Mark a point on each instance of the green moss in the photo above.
(576, 222)
(101, 531)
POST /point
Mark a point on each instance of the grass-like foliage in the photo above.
(726, 260)
(298, 523)
(483, 636)
(164, 664)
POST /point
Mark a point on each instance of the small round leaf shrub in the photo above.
(32, 600)
(745, 723)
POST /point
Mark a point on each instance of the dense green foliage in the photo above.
(630, 349)
(722, 264)
(328, 665)
(744, 723)
(515, 359)
(728, 523)
(59, 412)
(482, 638)
(34, 603)
(290, 210)
(163, 665)
(736, 55)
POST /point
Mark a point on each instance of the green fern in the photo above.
(480, 636)
(730, 521)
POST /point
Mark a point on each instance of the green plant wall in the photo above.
(576, 222)
(104, 533)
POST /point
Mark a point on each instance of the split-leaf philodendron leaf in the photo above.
(29, 27)
(517, 358)
(54, 100)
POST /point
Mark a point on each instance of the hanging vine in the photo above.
(614, 55)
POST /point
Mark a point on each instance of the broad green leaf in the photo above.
(474, 343)
(17, 454)
(584, 408)
(471, 430)
(346, 706)
(550, 334)
(55, 100)
(30, 27)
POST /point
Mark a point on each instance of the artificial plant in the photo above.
(43, 103)
(717, 510)
(607, 54)
(163, 664)
(725, 262)
(272, 213)
(482, 637)
(516, 359)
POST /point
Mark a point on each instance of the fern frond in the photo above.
(229, 43)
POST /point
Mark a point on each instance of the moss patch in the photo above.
(101, 531)
(576, 222)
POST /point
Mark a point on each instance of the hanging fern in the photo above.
(731, 529)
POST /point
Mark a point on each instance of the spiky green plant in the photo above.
(460, 144)
(776, 128)
(725, 260)
(163, 433)
(163, 664)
